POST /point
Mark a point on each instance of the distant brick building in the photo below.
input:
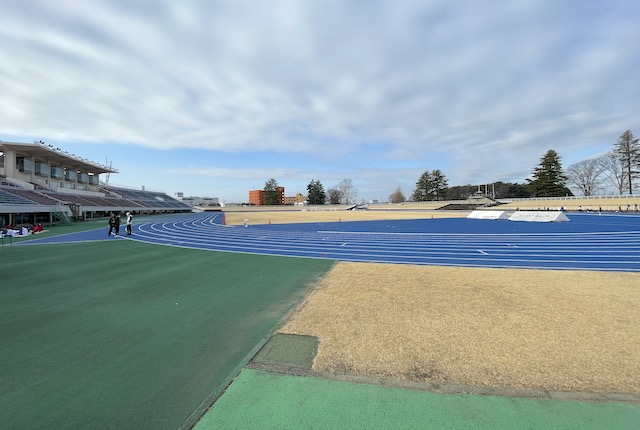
(295, 200)
(280, 195)
(256, 197)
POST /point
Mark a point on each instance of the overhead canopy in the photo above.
(56, 155)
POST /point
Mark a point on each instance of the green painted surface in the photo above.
(263, 400)
(60, 229)
(288, 350)
(122, 334)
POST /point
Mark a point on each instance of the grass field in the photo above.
(120, 334)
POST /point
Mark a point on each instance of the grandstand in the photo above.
(43, 184)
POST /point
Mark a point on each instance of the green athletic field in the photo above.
(121, 334)
(127, 335)
(265, 400)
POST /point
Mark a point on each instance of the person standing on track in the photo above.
(129, 223)
(112, 224)
(117, 224)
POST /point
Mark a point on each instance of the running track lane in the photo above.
(611, 249)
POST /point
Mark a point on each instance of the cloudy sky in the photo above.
(213, 98)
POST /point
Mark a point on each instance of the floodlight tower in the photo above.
(108, 164)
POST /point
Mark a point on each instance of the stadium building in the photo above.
(40, 183)
(298, 199)
(194, 201)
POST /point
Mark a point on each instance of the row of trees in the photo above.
(343, 193)
(548, 180)
(620, 167)
(459, 192)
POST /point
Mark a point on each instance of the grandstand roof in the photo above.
(57, 155)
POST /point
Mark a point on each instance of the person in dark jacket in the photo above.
(117, 225)
(112, 224)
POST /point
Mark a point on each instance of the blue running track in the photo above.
(587, 242)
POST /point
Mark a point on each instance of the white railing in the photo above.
(132, 188)
(9, 208)
(75, 192)
(533, 199)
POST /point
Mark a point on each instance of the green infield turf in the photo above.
(121, 334)
(264, 400)
(55, 230)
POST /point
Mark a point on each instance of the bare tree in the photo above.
(348, 193)
(397, 196)
(585, 175)
(614, 171)
(333, 195)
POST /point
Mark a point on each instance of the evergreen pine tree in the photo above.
(627, 148)
(548, 178)
(315, 193)
(271, 192)
(430, 186)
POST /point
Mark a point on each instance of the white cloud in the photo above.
(484, 88)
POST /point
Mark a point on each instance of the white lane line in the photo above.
(558, 250)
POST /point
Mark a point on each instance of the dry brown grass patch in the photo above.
(301, 216)
(560, 330)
